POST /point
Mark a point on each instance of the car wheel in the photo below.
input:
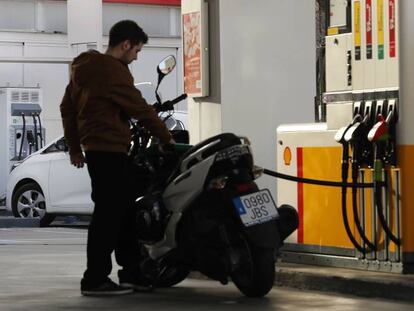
(28, 201)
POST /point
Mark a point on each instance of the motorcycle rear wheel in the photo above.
(257, 278)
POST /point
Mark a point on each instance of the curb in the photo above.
(349, 282)
(12, 222)
(341, 281)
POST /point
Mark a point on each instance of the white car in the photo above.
(45, 184)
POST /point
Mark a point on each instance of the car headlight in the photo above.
(15, 164)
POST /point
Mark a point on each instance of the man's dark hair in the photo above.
(127, 30)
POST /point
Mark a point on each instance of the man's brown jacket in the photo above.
(97, 102)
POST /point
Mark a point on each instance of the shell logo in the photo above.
(287, 156)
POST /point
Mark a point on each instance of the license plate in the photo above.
(256, 208)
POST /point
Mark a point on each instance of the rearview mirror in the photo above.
(166, 65)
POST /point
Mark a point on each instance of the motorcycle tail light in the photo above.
(241, 188)
(218, 182)
(257, 171)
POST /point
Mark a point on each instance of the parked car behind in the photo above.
(45, 184)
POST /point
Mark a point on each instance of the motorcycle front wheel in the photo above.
(172, 275)
(256, 279)
(163, 273)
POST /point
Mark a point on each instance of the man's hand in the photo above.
(77, 160)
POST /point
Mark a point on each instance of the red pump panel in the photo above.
(153, 2)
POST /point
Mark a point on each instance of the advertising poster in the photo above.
(192, 53)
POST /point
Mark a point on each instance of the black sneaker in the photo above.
(132, 281)
(108, 288)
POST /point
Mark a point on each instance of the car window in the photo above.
(58, 146)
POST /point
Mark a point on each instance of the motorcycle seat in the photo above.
(203, 151)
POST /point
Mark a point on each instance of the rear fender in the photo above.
(264, 235)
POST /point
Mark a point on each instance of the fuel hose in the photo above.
(378, 167)
(23, 134)
(36, 144)
(40, 131)
(343, 185)
(320, 182)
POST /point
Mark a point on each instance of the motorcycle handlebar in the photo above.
(169, 105)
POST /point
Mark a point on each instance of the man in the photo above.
(95, 109)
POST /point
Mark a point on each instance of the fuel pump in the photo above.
(21, 131)
(368, 67)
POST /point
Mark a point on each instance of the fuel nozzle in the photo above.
(356, 135)
(379, 131)
(340, 138)
(382, 134)
(378, 134)
(30, 137)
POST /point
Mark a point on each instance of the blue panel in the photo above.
(239, 206)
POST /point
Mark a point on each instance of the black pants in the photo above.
(112, 224)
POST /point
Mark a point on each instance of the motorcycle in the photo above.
(201, 209)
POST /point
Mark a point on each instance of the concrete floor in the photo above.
(41, 269)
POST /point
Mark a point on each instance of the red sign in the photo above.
(392, 21)
(368, 27)
(299, 159)
(153, 2)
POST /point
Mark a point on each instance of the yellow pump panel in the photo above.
(322, 205)
(405, 156)
(315, 155)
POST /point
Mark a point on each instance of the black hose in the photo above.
(344, 185)
(355, 209)
(345, 168)
(381, 216)
(346, 224)
(378, 197)
(23, 135)
(41, 132)
(317, 181)
(35, 132)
